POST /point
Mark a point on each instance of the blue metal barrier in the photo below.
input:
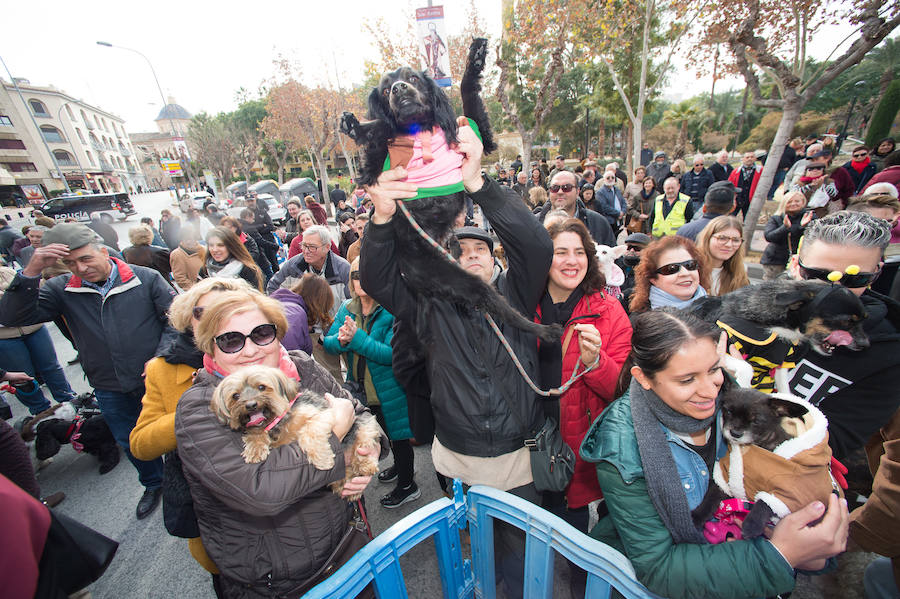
(460, 578)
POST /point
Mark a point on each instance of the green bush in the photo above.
(883, 118)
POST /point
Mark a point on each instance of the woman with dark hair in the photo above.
(655, 448)
(640, 207)
(721, 241)
(316, 210)
(307, 304)
(249, 241)
(881, 151)
(587, 195)
(672, 272)
(537, 178)
(597, 333)
(346, 223)
(227, 257)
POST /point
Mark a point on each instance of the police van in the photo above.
(108, 207)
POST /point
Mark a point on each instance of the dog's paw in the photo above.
(479, 53)
(255, 453)
(349, 125)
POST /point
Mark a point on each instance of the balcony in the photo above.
(12, 152)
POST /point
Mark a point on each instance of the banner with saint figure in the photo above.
(432, 43)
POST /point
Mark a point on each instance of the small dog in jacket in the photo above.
(778, 457)
(265, 405)
(61, 424)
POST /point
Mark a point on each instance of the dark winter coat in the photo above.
(116, 335)
(150, 256)
(783, 241)
(695, 185)
(720, 172)
(607, 198)
(171, 231)
(474, 385)
(272, 522)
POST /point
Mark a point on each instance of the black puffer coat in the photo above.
(270, 522)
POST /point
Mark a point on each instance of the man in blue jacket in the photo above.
(117, 314)
(696, 181)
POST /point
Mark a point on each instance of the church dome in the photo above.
(173, 111)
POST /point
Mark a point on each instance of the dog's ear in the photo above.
(46, 445)
(218, 405)
(792, 300)
(444, 115)
(786, 409)
(378, 108)
(287, 387)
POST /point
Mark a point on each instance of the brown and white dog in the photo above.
(270, 411)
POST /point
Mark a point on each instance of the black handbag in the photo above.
(552, 460)
(74, 556)
(178, 505)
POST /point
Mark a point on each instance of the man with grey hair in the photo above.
(856, 390)
(720, 169)
(798, 168)
(696, 181)
(118, 317)
(317, 258)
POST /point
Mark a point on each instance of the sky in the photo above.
(204, 51)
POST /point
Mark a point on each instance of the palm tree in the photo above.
(679, 115)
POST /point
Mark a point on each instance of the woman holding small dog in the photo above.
(361, 332)
(268, 526)
(654, 449)
(672, 272)
(720, 241)
(227, 258)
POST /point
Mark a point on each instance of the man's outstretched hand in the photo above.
(471, 148)
(389, 188)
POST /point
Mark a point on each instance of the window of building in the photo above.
(12, 144)
(90, 157)
(97, 120)
(5, 121)
(52, 134)
(63, 158)
(84, 118)
(69, 111)
(80, 134)
(20, 167)
(38, 108)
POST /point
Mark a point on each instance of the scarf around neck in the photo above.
(859, 167)
(648, 412)
(660, 298)
(230, 269)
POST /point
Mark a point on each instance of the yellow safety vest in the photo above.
(670, 224)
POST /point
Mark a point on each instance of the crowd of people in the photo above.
(159, 324)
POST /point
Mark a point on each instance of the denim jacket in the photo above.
(691, 467)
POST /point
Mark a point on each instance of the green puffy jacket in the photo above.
(372, 341)
(735, 570)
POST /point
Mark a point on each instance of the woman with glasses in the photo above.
(362, 332)
(268, 526)
(672, 272)
(226, 257)
(654, 450)
(597, 333)
(860, 168)
(783, 232)
(720, 242)
(169, 375)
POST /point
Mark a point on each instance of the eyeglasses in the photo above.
(197, 312)
(633, 248)
(565, 188)
(725, 239)
(354, 275)
(310, 247)
(671, 269)
(861, 279)
(815, 168)
(233, 341)
(860, 154)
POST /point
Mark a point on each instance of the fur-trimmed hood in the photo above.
(796, 473)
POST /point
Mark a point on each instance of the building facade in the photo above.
(89, 145)
(159, 151)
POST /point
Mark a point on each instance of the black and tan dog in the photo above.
(265, 405)
(775, 323)
(405, 104)
(62, 424)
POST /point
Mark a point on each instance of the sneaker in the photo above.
(401, 495)
(388, 476)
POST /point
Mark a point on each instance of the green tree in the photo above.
(246, 135)
(211, 142)
(880, 125)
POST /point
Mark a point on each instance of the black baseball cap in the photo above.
(721, 193)
(475, 233)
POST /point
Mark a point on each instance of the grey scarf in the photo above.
(663, 483)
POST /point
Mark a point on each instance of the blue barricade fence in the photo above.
(463, 578)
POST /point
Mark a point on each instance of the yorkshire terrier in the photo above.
(267, 407)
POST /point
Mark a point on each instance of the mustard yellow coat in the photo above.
(154, 433)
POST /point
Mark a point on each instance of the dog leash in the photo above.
(275, 422)
(490, 320)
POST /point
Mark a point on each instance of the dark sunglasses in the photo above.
(861, 279)
(634, 248)
(861, 155)
(671, 269)
(354, 276)
(233, 341)
(565, 188)
(197, 312)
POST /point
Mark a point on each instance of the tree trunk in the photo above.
(637, 133)
(527, 142)
(629, 150)
(789, 118)
(323, 173)
(601, 139)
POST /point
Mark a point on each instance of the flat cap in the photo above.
(74, 235)
(473, 233)
(638, 238)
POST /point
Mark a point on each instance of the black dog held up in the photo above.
(407, 102)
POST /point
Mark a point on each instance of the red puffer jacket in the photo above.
(583, 402)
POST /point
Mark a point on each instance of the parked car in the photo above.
(108, 206)
(300, 187)
(195, 199)
(276, 211)
(266, 186)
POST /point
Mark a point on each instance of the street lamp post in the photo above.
(72, 145)
(37, 128)
(843, 135)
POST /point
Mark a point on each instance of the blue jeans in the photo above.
(121, 411)
(34, 354)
